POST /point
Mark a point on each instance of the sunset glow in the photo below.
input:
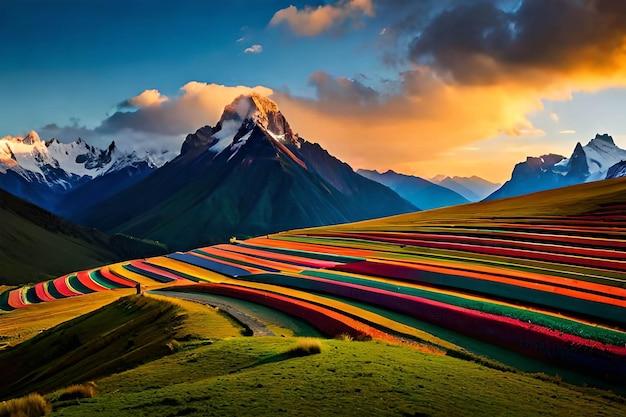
(423, 88)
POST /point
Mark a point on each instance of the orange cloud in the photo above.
(313, 21)
(412, 128)
(478, 72)
(147, 98)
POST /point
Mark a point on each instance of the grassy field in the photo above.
(255, 376)
(123, 334)
(189, 359)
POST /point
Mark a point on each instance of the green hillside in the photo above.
(36, 245)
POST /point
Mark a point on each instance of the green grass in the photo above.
(237, 376)
(130, 331)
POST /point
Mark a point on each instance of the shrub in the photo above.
(345, 337)
(74, 392)
(32, 405)
(306, 346)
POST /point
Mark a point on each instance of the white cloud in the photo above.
(567, 132)
(254, 49)
(554, 117)
(312, 21)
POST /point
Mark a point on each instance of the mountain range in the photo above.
(592, 162)
(60, 177)
(248, 175)
(418, 191)
(472, 188)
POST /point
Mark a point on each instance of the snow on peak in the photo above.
(31, 155)
(31, 138)
(601, 153)
(247, 111)
(253, 106)
(602, 140)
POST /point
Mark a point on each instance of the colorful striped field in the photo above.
(548, 287)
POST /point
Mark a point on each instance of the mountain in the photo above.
(249, 175)
(587, 163)
(423, 194)
(472, 188)
(616, 171)
(36, 245)
(47, 173)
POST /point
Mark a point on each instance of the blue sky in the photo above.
(423, 87)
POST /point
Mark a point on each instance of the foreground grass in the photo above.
(126, 333)
(202, 321)
(257, 376)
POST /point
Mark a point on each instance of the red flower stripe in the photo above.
(63, 288)
(85, 279)
(42, 292)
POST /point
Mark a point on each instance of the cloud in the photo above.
(469, 71)
(254, 49)
(567, 132)
(312, 21)
(479, 43)
(341, 90)
(425, 119)
(146, 99)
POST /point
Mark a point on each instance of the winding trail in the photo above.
(256, 327)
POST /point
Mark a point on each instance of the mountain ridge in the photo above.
(587, 163)
(249, 175)
(46, 173)
(420, 192)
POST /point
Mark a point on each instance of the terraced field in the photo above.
(545, 279)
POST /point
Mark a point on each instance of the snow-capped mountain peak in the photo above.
(31, 138)
(246, 112)
(593, 160)
(56, 162)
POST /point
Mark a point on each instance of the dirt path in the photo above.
(256, 327)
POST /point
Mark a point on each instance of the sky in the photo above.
(423, 87)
